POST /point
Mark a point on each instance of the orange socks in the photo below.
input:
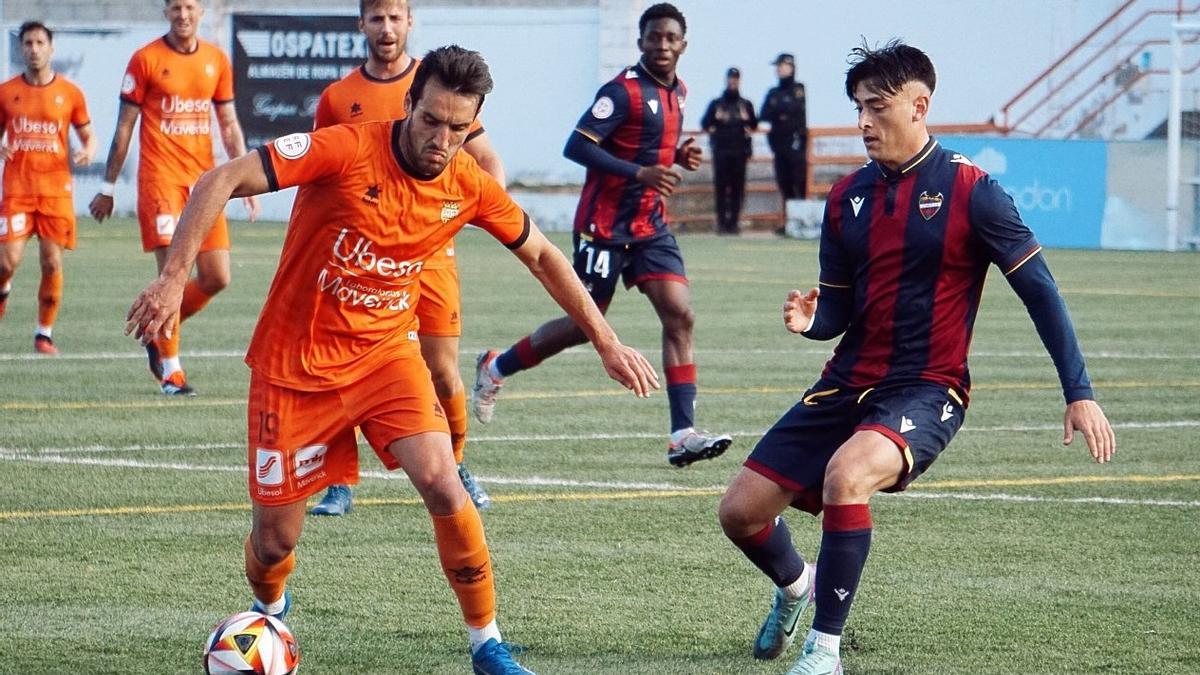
(467, 563)
(194, 300)
(456, 416)
(168, 348)
(267, 581)
(49, 297)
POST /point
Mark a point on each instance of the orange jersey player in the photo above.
(36, 109)
(376, 91)
(336, 344)
(175, 84)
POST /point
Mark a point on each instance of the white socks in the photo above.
(44, 330)
(680, 434)
(494, 370)
(799, 587)
(274, 608)
(482, 635)
(170, 365)
(831, 642)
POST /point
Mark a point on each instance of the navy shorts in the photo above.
(598, 264)
(919, 418)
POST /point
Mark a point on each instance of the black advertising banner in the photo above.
(282, 63)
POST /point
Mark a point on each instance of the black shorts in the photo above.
(919, 418)
(599, 263)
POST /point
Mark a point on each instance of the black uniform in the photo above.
(729, 121)
(784, 110)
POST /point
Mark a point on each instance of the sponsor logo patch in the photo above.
(165, 224)
(293, 146)
(268, 467)
(310, 459)
(602, 109)
(128, 84)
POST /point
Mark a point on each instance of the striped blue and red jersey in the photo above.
(639, 119)
(912, 248)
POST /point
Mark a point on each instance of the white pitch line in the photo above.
(538, 481)
(1116, 501)
(532, 481)
(532, 438)
(587, 351)
(113, 356)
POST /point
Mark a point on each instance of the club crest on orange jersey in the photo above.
(929, 205)
(449, 211)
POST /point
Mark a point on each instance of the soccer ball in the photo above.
(251, 643)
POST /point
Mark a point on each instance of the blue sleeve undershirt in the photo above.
(583, 150)
(1035, 286)
(833, 313)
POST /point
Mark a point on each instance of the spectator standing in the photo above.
(728, 121)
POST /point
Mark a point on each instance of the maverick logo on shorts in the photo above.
(310, 459)
(929, 206)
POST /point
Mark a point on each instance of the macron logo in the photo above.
(841, 593)
(653, 106)
(906, 425)
(947, 411)
(856, 203)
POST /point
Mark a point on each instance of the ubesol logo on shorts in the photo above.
(268, 467)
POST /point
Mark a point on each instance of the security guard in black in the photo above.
(784, 110)
(728, 122)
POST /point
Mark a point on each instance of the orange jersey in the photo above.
(35, 121)
(176, 93)
(359, 97)
(363, 224)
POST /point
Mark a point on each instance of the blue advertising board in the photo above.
(1059, 186)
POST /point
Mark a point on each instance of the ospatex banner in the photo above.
(282, 63)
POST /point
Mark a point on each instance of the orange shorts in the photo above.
(303, 441)
(50, 218)
(440, 303)
(159, 206)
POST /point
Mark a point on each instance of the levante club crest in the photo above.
(929, 205)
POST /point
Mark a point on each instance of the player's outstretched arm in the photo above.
(87, 138)
(151, 314)
(623, 364)
(235, 145)
(102, 204)
(1087, 418)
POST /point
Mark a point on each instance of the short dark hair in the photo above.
(363, 5)
(34, 25)
(460, 70)
(663, 10)
(888, 68)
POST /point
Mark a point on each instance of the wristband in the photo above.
(107, 188)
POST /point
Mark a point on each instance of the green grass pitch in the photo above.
(122, 513)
